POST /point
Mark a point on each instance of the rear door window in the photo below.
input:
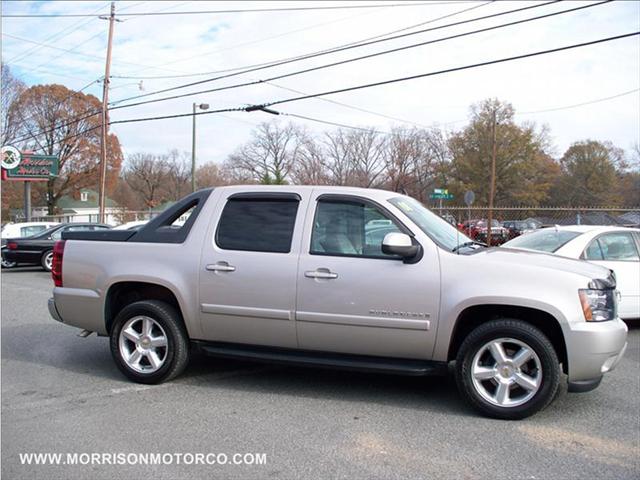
(257, 224)
(31, 230)
(614, 247)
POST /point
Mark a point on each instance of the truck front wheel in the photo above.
(149, 342)
(507, 369)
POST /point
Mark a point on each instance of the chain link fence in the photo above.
(545, 216)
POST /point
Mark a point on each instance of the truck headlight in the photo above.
(598, 305)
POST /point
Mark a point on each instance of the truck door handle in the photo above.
(321, 273)
(220, 267)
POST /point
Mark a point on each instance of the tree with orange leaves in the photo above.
(53, 120)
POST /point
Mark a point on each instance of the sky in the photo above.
(71, 51)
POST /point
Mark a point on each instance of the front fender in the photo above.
(450, 314)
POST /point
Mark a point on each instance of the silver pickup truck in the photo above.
(345, 278)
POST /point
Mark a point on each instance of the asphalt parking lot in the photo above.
(63, 394)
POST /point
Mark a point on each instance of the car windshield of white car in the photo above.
(545, 240)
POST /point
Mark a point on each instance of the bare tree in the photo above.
(178, 174)
(337, 147)
(310, 165)
(402, 158)
(10, 91)
(146, 174)
(210, 175)
(367, 158)
(268, 158)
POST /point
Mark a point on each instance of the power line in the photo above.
(443, 26)
(73, 50)
(56, 35)
(449, 70)
(335, 124)
(178, 115)
(327, 122)
(66, 50)
(68, 97)
(354, 59)
(265, 106)
(369, 85)
(590, 102)
(248, 10)
(334, 50)
(352, 107)
(291, 58)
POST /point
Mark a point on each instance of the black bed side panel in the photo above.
(100, 235)
(159, 229)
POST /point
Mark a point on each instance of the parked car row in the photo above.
(477, 229)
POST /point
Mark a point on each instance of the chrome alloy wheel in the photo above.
(8, 264)
(48, 260)
(143, 344)
(506, 372)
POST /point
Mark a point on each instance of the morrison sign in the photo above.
(33, 168)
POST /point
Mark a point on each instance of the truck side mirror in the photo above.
(400, 244)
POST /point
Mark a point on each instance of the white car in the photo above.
(20, 230)
(616, 248)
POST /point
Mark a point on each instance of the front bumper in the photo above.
(593, 349)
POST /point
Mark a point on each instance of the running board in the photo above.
(308, 358)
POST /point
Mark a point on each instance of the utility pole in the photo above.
(202, 106)
(105, 117)
(492, 187)
(193, 151)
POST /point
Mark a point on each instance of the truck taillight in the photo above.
(12, 246)
(56, 267)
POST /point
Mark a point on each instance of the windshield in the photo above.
(545, 240)
(439, 230)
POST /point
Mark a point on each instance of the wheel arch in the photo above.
(123, 293)
(475, 315)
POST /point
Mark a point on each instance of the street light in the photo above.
(202, 106)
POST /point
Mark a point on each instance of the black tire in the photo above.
(45, 257)
(520, 331)
(8, 264)
(177, 350)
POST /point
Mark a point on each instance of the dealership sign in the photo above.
(28, 167)
(10, 157)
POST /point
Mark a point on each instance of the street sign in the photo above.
(441, 196)
(469, 197)
(33, 168)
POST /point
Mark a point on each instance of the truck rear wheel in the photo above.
(507, 369)
(149, 342)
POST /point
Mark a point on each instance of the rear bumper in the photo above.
(78, 307)
(593, 349)
(53, 311)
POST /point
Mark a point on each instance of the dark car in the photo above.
(477, 230)
(519, 227)
(38, 249)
